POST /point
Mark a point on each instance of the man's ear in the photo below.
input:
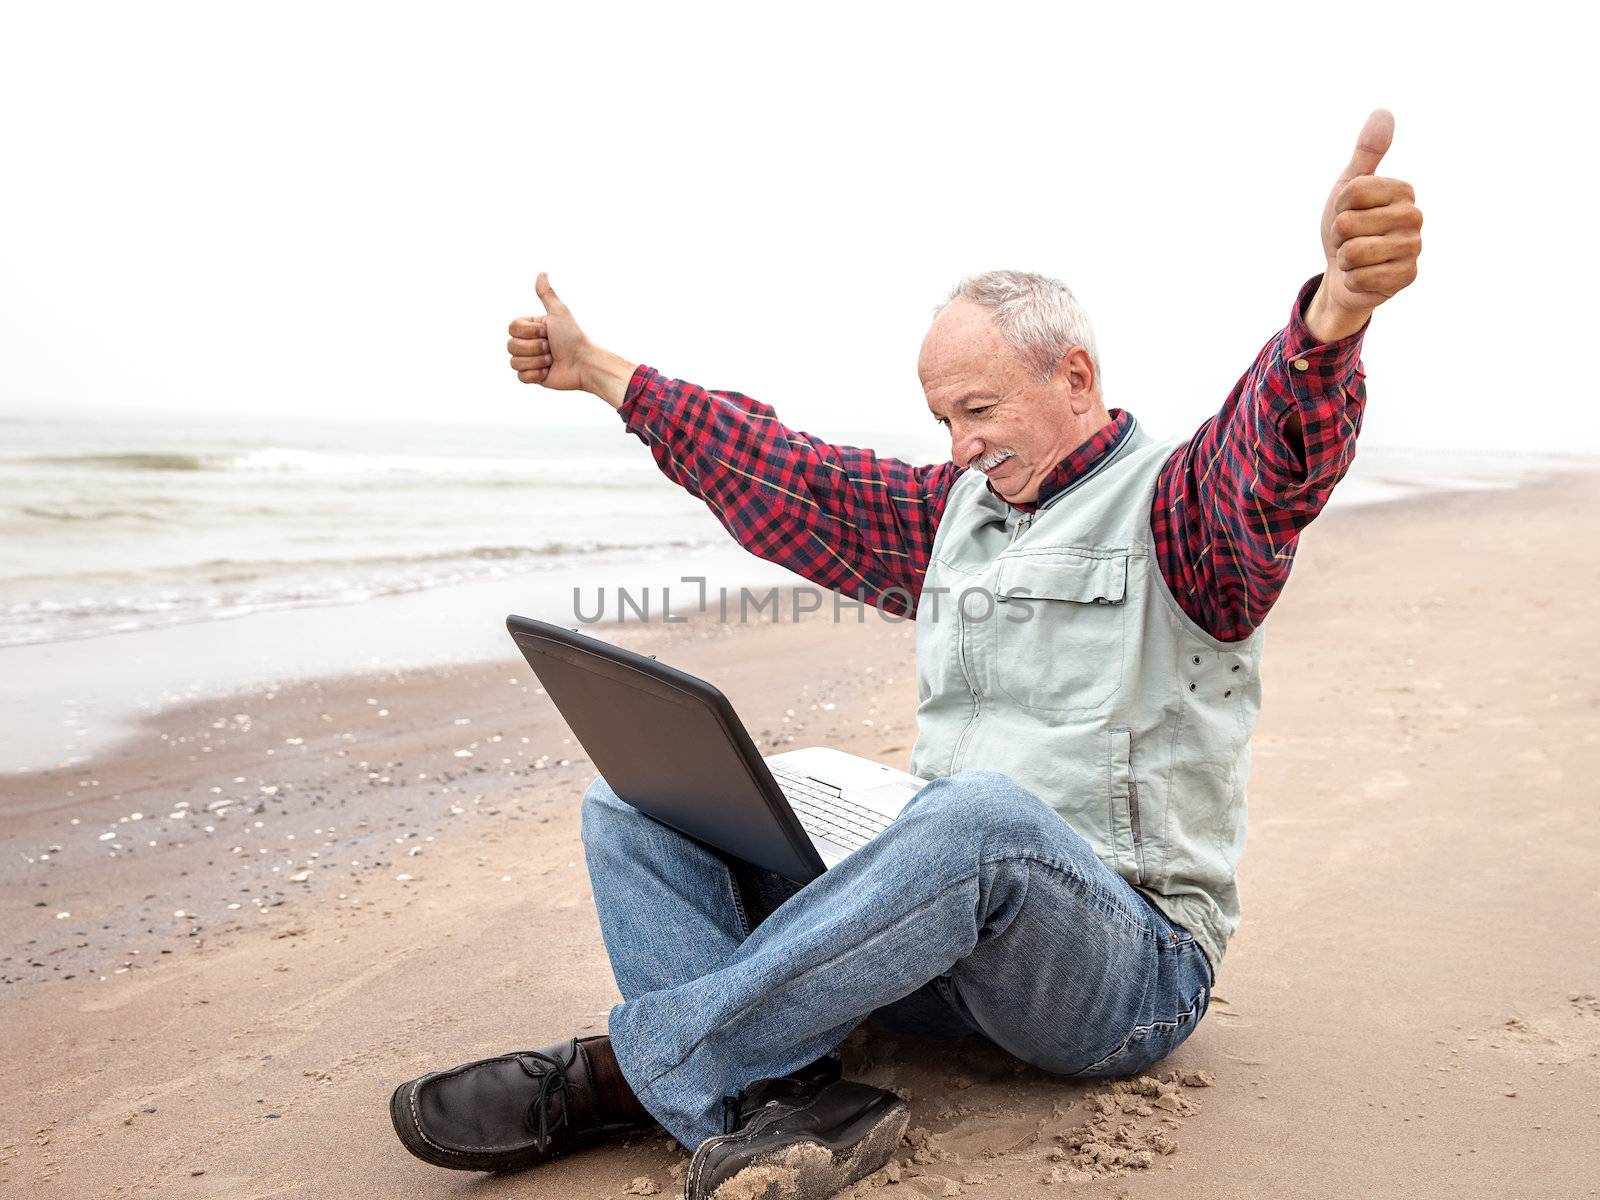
(1075, 377)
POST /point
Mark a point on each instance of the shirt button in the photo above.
(1301, 364)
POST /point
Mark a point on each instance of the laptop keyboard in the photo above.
(826, 814)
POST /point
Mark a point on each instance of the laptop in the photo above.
(671, 745)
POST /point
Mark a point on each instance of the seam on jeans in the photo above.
(1027, 885)
(738, 902)
(1095, 896)
(1144, 1030)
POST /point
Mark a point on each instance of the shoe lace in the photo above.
(552, 1084)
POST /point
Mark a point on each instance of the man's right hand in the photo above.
(547, 349)
(552, 350)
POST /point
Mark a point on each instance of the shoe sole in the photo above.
(802, 1168)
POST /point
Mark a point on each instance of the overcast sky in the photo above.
(336, 209)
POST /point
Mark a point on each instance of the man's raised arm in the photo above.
(1230, 505)
(841, 516)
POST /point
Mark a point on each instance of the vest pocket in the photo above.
(1059, 625)
(1126, 821)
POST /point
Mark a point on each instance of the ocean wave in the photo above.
(152, 460)
(88, 514)
(233, 570)
(469, 554)
(566, 471)
(110, 603)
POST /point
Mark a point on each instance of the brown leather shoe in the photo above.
(504, 1113)
(801, 1137)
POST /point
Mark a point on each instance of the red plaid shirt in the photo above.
(1229, 505)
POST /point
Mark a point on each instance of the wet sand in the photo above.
(1409, 1007)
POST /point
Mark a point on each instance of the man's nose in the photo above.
(964, 449)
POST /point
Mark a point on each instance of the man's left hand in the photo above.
(1371, 237)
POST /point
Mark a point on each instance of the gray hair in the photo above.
(1037, 315)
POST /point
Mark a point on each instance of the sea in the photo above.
(114, 525)
(154, 562)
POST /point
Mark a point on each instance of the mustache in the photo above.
(992, 459)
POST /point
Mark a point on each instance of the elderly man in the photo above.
(1065, 884)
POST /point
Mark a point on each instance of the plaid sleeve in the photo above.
(1230, 505)
(840, 516)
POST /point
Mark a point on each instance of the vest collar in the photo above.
(1082, 464)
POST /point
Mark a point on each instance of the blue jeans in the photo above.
(978, 911)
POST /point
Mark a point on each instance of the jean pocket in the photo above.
(1148, 1044)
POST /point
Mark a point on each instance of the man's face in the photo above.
(1001, 417)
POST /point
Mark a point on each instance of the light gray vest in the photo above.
(1089, 685)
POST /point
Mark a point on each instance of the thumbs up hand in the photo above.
(1371, 237)
(552, 350)
(548, 349)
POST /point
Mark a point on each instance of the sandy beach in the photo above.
(230, 937)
